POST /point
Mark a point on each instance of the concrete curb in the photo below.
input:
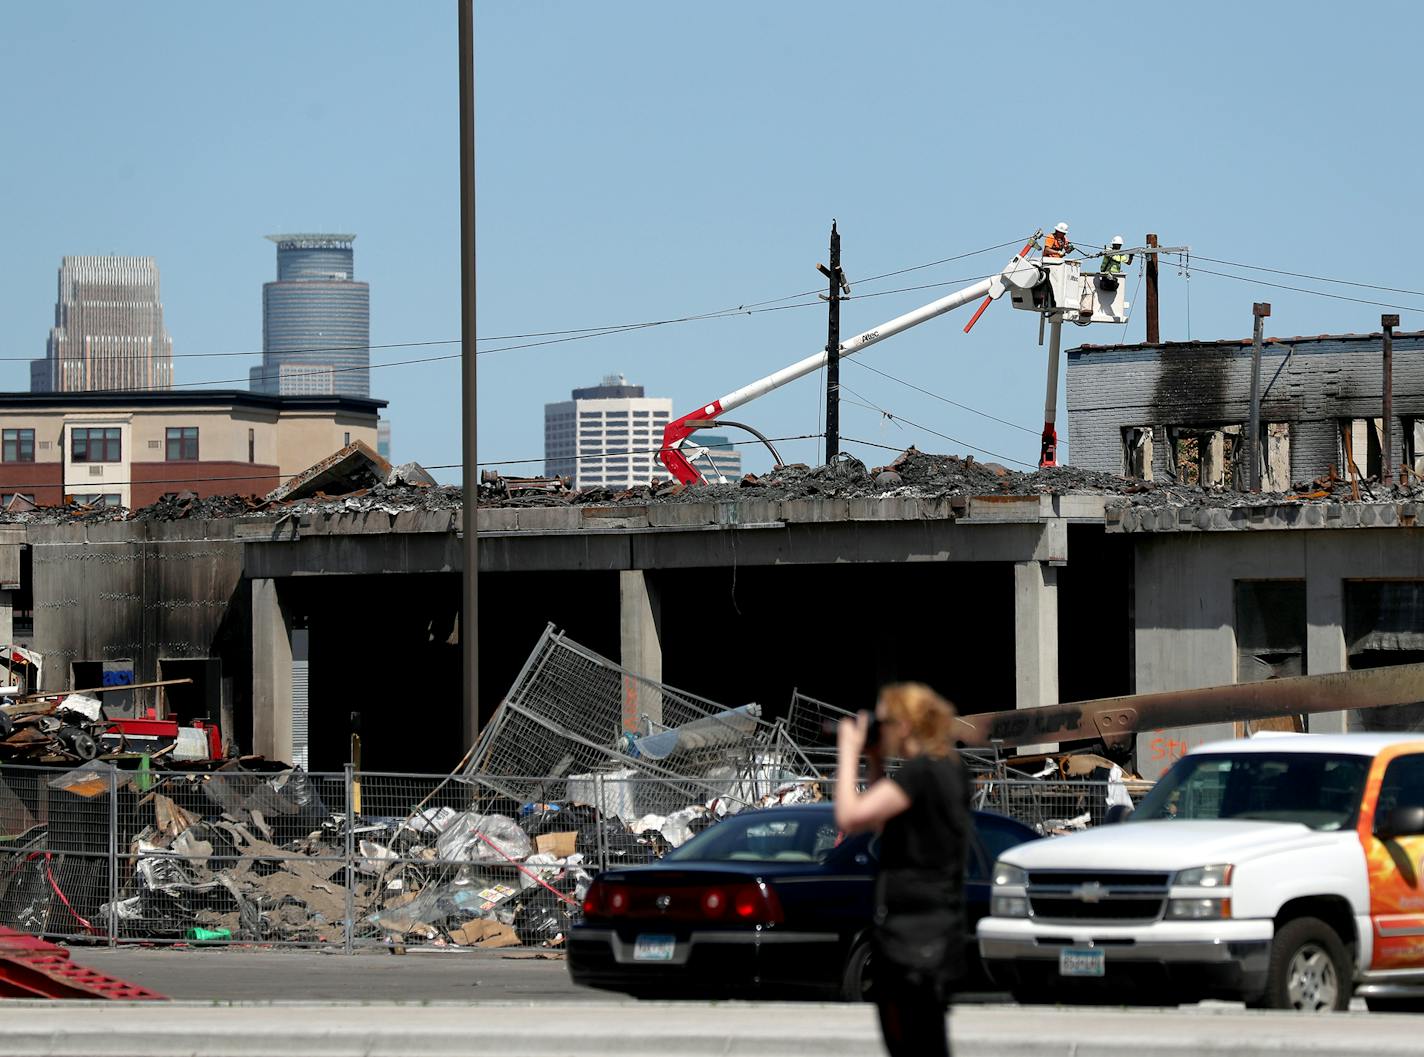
(687, 1030)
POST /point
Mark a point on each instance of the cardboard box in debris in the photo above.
(260, 857)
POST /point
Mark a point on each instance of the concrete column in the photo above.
(7, 617)
(1324, 630)
(1035, 638)
(640, 642)
(271, 673)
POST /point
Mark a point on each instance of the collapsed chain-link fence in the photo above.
(572, 715)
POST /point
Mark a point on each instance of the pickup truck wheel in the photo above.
(1309, 969)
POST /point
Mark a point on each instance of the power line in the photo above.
(944, 399)
(943, 436)
(1301, 289)
(1316, 278)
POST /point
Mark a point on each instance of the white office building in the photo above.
(607, 436)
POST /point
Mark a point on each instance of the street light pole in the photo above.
(469, 599)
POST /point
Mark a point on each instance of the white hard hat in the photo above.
(1062, 227)
(1117, 240)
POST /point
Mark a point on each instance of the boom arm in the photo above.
(1019, 273)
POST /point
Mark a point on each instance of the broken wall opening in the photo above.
(201, 699)
(1384, 625)
(118, 704)
(1270, 640)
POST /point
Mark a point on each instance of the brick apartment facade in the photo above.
(131, 448)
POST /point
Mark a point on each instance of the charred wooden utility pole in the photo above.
(1260, 310)
(1387, 324)
(837, 281)
(469, 599)
(1154, 333)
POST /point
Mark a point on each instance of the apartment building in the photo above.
(127, 449)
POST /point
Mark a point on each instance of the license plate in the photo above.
(1082, 961)
(654, 948)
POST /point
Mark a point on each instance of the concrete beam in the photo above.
(271, 673)
(640, 643)
(1035, 638)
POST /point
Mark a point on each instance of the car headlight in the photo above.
(1198, 909)
(1218, 876)
(1006, 875)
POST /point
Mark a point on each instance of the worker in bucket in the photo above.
(1114, 261)
(1056, 244)
(922, 813)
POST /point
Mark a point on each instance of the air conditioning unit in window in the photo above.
(96, 471)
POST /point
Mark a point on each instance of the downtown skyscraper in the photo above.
(108, 329)
(316, 321)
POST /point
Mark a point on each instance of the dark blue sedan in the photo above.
(770, 901)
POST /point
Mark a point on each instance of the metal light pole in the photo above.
(469, 598)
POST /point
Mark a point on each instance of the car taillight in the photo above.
(714, 902)
(757, 902)
(605, 900)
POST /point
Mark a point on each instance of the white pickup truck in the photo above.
(1283, 871)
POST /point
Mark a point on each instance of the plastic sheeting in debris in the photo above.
(472, 837)
(732, 727)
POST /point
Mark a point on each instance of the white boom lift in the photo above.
(1056, 288)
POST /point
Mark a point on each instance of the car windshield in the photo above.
(1318, 790)
(749, 838)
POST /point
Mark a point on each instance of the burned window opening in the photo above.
(1207, 455)
(1270, 640)
(1361, 443)
(1412, 435)
(1137, 452)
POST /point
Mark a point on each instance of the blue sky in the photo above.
(641, 161)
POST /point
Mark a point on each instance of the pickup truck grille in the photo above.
(1099, 895)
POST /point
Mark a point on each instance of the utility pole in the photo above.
(1387, 324)
(469, 599)
(836, 278)
(1154, 333)
(1260, 310)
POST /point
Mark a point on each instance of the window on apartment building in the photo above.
(182, 443)
(1361, 443)
(18, 445)
(251, 445)
(102, 444)
(97, 499)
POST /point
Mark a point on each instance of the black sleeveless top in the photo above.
(919, 915)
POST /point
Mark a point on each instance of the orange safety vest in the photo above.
(1055, 245)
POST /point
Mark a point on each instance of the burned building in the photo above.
(1177, 412)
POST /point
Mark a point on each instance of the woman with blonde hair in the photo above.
(922, 813)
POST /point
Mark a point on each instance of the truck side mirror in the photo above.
(1400, 822)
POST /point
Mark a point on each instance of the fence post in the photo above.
(349, 940)
(601, 845)
(113, 857)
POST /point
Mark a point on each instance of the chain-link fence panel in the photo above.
(1054, 807)
(574, 715)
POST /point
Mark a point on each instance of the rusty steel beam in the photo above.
(1114, 719)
